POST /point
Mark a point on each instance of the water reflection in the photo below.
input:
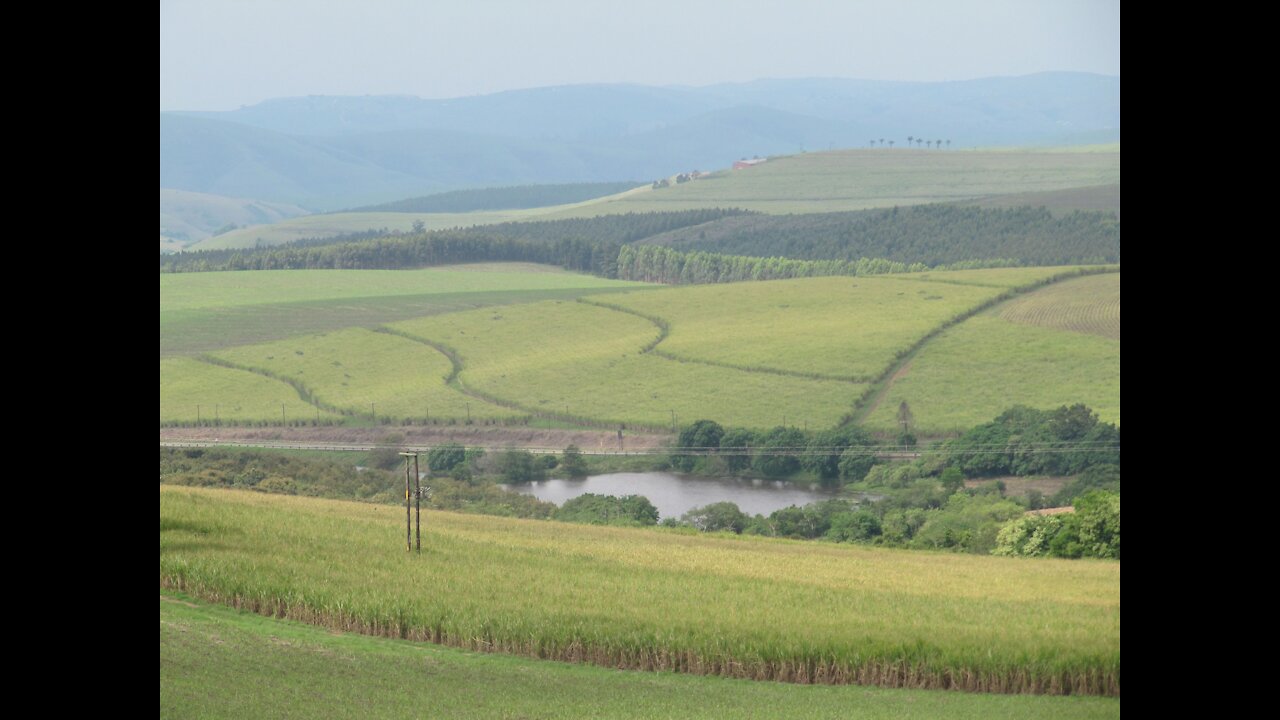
(674, 494)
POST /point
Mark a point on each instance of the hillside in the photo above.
(808, 351)
(816, 182)
(868, 178)
(1058, 345)
(334, 152)
(504, 198)
(186, 217)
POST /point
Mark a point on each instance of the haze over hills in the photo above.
(327, 153)
(188, 216)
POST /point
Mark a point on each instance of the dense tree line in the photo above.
(503, 198)
(841, 455)
(1026, 441)
(929, 234)
(289, 475)
(582, 244)
(925, 503)
(1092, 530)
(655, 263)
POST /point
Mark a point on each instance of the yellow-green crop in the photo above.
(646, 599)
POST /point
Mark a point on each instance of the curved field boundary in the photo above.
(664, 330)
(874, 395)
(454, 379)
(267, 396)
(304, 393)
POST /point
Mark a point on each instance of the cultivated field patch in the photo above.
(650, 600)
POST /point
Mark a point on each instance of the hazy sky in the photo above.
(220, 54)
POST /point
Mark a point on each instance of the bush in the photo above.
(444, 458)
(716, 517)
(520, 466)
(572, 462)
(608, 510)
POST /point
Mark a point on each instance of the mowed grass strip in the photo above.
(1086, 305)
(192, 390)
(363, 372)
(329, 224)
(650, 600)
(849, 328)
(860, 179)
(214, 661)
(978, 369)
(186, 291)
(580, 361)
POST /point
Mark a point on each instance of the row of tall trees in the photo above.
(655, 263)
(913, 140)
(583, 244)
(929, 234)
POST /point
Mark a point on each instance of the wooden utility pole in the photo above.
(408, 537)
(417, 493)
(416, 490)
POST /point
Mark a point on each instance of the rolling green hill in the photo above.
(860, 179)
(1057, 346)
(200, 312)
(748, 354)
(819, 182)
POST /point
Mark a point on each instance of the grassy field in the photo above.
(861, 179)
(585, 362)
(981, 367)
(750, 354)
(360, 372)
(1086, 305)
(200, 312)
(1006, 278)
(316, 226)
(838, 327)
(216, 662)
(188, 291)
(191, 390)
(811, 182)
(644, 599)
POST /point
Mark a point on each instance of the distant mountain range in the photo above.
(327, 153)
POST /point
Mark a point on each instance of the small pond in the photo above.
(674, 494)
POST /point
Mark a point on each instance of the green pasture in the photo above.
(200, 312)
(191, 390)
(361, 372)
(838, 327)
(189, 291)
(585, 362)
(976, 370)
